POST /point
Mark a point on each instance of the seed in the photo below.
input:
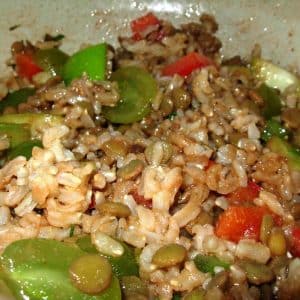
(181, 98)
(265, 228)
(202, 219)
(278, 263)
(169, 255)
(134, 286)
(115, 148)
(158, 152)
(166, 106)
(218, 140)
(117, 209)
(234, 137)
(194, 295)
(219, 280)
(131, 170)
(107, 245)
(277, 242)
(257, 273)
(91, 273)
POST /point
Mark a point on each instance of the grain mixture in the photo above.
(203, 184)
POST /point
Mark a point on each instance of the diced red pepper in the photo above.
(186, 65)
(244, 194)
(141, 200)
(140, 27)
(295, 242)
(25, 65)
(239, 222)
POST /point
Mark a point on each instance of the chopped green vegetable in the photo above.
(15, 98)
(24, 149)
(272, 103)
(36, 120)
(283, 148)
(16, 133)
(38, 269)
(72, 230)
(124, 265)
(91, 60)
(51, 60)
(273, 75)
(172, 115)
(274, 128)
(137, 90)
(207, 263)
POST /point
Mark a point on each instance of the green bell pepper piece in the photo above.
(16, 133)
(24, 149)
(137, 90)
(273, 75)
(38, 269)
(15, 98)
(274, 128)
(124, 265)
(207, 263)
(91, 60)
(51, 60)
(283, 148)
(35, 120)
(272, 103)
(31, 118)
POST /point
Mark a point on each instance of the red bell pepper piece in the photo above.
(25, 65)
(244, 194)
(141, 200)
(239, 222)
(295, 242)
(186, 65)
(140, 27)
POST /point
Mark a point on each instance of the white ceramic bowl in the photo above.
(273, 24)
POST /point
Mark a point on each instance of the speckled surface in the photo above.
(274, 24)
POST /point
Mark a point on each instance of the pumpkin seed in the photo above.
(277, 242)
(257, 273)
(181, 98)
(169, 255)
(158, 152)
(131, 170)
(265, 228)
(115, 148)
(117, 209)
(202, 219)
(166, 106)
(91, 273)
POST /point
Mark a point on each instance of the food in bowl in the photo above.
(155, 170)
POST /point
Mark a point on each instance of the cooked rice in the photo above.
(161, 171)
